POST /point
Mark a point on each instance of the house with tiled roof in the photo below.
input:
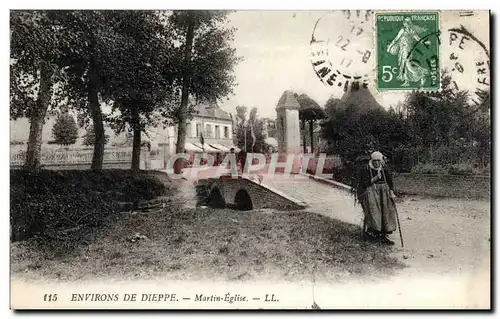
(210, 130)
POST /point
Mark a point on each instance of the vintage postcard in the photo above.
(202, 159)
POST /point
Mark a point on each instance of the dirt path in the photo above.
(446, 241)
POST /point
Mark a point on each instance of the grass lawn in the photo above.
(201, 243)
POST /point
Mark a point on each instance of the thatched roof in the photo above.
(310, 109)
(361, 99)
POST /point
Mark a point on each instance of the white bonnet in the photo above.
(377, 156)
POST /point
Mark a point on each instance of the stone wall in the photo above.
(463, 186)
(262, 196)
(265, 197)
(330, 162)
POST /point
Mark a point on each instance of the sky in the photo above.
(276, 52)
(275, 48)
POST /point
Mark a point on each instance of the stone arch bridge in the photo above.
(244, 194)
(325, 197)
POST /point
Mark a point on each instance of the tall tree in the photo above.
(241, 114)
(333, 104)
(91, 42)
(143, 78)
(438, 118)
(35, 56)
(240, 127)
(480, 131)
(250, 133)
(352, 133)
(206, 64)
(270, 127)
(447, 127)
(89, 137)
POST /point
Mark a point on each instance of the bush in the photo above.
(65, 130)
(48, 203)
(429, 169)
(344, 174)
(452, 169)
(409, 159)
(89, 137)
(461, 169)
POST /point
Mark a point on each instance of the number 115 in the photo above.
(50, 297)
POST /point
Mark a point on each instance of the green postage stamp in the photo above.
(407, 51)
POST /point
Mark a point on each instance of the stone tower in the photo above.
(288, 124)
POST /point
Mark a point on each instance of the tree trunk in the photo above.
(95, 110)
(311, 132)
(37, 118)
(186, 81)
(136, 145)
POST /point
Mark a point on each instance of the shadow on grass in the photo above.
(339, 244)
(200, 243)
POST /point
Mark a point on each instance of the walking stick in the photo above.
(399, 225)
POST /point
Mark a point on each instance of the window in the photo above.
(198, 129)
(226, 132)
(217, 131)
(188, 130)
(208, 130)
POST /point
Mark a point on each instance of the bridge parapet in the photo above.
(245, 194)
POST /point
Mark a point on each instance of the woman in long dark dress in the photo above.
(375, 192)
